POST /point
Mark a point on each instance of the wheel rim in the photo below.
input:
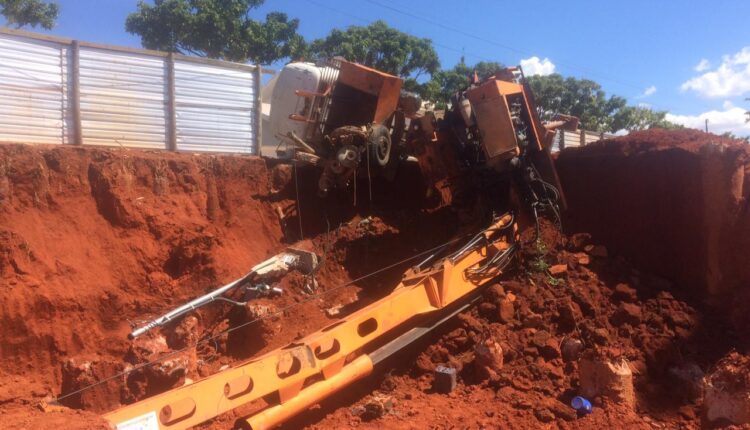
(382, 148)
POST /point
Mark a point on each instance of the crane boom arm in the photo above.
(333, 356)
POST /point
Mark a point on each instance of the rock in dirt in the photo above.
(489, 359)
(532, 320)
(582, 258)
(186, 333)
(160, 376)
(550, 350)
(558, 269)
(727, 393)
(334, 311)
(600, 376)
(375, 407)
(571, 349)
(506, 310)
(546, 345)
(495, 292)
(625, 293)
(578, 241)
(83, 375)
(544, 415)
(569, 314)
(627, 313)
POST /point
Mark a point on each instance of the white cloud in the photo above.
(702, 66)
(534, 66)
(648, 92)
(731, 78)
(732, 119)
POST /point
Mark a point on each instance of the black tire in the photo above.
(379, 145)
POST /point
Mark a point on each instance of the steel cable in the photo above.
(264, 317)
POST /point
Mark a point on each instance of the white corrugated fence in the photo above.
(59, 91)
(569, 139)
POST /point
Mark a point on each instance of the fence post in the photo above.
(582, 140)
(258, 110)
(75, 91)
(171, 121)
(562, 139)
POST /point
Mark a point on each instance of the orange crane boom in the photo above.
(301, 374)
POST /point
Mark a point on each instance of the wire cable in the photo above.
(245, 324)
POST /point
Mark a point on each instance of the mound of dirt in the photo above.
(673, 202)
(646, 342)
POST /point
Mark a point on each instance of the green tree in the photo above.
(583, 98)
(587, 100)
(633, 118)
(445, 83)
(215, 28)
(29, 12)
(381, 47)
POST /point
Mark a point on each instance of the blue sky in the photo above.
(645, 50)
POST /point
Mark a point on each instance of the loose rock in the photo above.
(613, 379)
(627, 313)
(558, 269)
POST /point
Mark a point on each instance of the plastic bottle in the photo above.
(581, 405)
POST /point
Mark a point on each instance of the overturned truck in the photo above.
(351, 120)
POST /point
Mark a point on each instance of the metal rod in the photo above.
(75, 91)
(190, 306)
(171, 105)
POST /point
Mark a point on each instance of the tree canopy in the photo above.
(587, 100)
(29, 12)
(381, 47)
(445, 83)
(215, 28)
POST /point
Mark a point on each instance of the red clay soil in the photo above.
(95, 241)
(615, 310)
(673, 202)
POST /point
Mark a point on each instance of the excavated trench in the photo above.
(651, 274)
(94, 242)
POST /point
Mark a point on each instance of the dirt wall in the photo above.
(96, 241)
(674, 202)
(92, 240)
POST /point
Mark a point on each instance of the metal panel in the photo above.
(32, 89)
(122, 98)
(215, 108)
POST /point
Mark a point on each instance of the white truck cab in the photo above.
(291, 111)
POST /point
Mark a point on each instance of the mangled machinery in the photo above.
(347, 118)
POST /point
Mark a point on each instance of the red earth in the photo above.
(96, 241)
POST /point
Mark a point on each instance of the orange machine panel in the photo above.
(386, 87)
(490, 108)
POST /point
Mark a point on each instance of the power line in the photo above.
(367, 21)
(490, 41)
(513, 49)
